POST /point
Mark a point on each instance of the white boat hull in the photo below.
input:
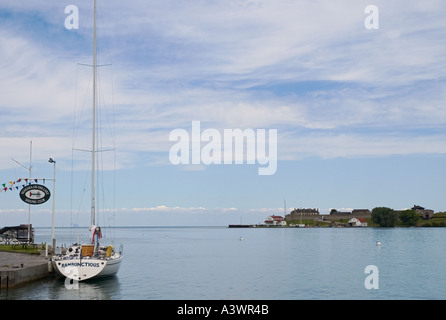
(81, 268)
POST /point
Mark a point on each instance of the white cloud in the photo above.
(354, 145)
(161, 215)
(227, 64)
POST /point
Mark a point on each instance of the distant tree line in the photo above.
(387, 217)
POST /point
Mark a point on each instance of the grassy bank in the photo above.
(21, 248)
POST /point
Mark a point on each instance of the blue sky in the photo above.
(360, 113)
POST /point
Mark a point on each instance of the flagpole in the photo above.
(30, 176)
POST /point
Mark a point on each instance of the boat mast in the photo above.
(94, 121)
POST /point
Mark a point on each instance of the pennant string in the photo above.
(11, 185)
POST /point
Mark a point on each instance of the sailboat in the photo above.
(90, 260)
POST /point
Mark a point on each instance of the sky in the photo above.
(358, 105)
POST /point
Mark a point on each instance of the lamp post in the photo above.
(53, 240)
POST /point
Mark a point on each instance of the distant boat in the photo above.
(91, 260)
(378, 243)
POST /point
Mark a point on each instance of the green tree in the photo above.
(384, 217)
(409, 217)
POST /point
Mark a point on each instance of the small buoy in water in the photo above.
(378, 243)
(241, 238)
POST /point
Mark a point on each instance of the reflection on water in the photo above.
(56, 288)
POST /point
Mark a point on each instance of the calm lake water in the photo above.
(182, 263)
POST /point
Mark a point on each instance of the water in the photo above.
(183, 263)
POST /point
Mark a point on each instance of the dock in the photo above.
(20, 268)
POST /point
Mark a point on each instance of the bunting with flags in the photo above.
(19, 184)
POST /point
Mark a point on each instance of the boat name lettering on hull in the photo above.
(80, 264)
